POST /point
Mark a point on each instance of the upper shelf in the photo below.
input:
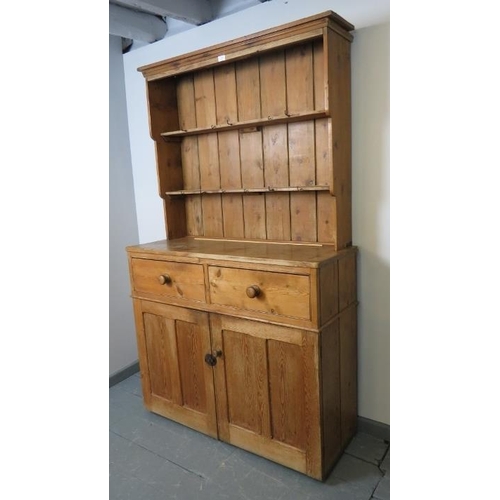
(270, 120)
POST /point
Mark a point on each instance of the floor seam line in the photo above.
(159, 456)
(383, 473)
(363, 459)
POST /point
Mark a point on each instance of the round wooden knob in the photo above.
(253, 291)
(164, 279)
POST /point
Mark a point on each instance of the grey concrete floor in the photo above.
(153, 458)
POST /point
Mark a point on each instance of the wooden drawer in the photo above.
(277, 293)
(182, 281)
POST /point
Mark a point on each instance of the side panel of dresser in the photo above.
(176, 383)
(338, 359)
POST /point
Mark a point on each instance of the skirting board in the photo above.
(124, 373)
(372, 427)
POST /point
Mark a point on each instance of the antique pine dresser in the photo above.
(246, 314)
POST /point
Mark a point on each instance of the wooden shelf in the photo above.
(250, 124)
(269, 189)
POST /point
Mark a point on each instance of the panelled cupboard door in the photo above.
(176, 381)
(267, 391)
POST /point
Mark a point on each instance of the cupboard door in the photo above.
(268, 392)
(176, 382)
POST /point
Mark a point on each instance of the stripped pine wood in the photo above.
(248, 90)
(225, 94)
(194, 217)
(232, 204)
(301, 148)
(191, 170)
(255, 380)
(156, 335)
(346, 140)
(184, 280)
(216, 331)
(301, 153)
(163, 115)
(347, 281)
(303, 216)
(272, 84)
(323, 157)
(142, 348)
(191, 167)
(190, 354)
(204, 89)
(169, 167)
(286, 387)
(246, 314)
(319, 72)
(185, 416)
(271, 449)
(169, 175)
(212, 215)
(275, 150)
(340, 100)
(330, 363)
(246, 125)
(326, 203)
(162, 105)
(186, 102)
(182, 385)
(189, 154)
(312, 404)
(229, 157)
(348, 373)
(275, 144)
(246, 366)
(251, 45)
(327, 218)
(280, 293)
(299, 78)
(252, 163)
(266, 330)
(329, 283)
(232, 207)
(252, 170)
(208, 153)
(287, 189)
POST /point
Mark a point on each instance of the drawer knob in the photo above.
(164, 279)
(253, 291)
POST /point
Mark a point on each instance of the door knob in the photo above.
(211, 358)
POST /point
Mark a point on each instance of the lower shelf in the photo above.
(291, 189)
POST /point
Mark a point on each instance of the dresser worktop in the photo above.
(192, 249)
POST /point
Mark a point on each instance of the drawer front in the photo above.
(275, 293)
(169, 279)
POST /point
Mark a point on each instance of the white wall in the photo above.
(370, 62)
(370, 171)
(122, 218)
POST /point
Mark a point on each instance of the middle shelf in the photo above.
(249, 124)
